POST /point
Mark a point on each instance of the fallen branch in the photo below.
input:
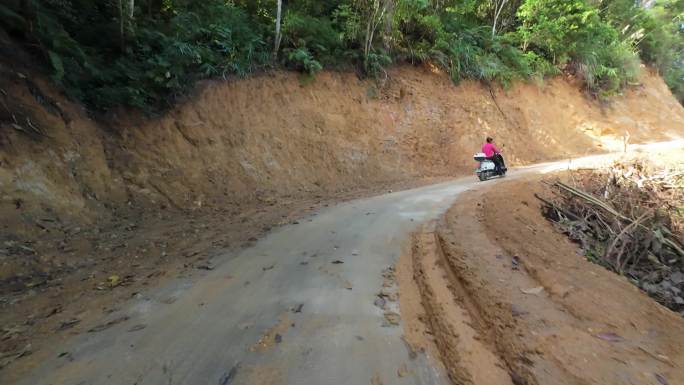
(556, 207)
(619, 267)
(592, 199)
(629, 219)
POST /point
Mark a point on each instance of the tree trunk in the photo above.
(498, 7)
(389, 19)
(366, 44)
(126, 14)
(131, 10)
(375, 15)
(130, 15)
(278, 36)
(122, 27)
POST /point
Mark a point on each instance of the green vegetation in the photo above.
(144, 53)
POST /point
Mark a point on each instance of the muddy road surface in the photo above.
(312, 303)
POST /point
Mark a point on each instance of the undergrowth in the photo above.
(144, 53)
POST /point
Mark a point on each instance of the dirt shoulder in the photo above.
(547, 316)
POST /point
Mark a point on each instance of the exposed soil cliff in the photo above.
(273, 136)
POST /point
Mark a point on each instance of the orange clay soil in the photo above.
(555, 319)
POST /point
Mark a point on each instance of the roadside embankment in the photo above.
(506, 298)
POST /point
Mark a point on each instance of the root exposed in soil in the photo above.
(506, 299)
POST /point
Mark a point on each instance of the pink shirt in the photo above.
(489, 149)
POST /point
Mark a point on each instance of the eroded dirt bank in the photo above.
(551, 317)
(272, 136)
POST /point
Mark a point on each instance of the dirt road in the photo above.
(300, 307)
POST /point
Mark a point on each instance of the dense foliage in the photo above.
(143, 53)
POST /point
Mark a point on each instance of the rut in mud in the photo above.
(463, 336)
(515, 304)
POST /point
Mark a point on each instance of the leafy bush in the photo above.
(301, 59)
(314, 35)
(660, 40)
(163, 55)
(458, 53)
(348, 23)
(573, 32)
(608, 69)
(539, 66)
(376, 62)
(674, 77)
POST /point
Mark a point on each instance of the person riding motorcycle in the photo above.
(492, 153)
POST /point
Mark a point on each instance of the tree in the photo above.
(145, 52)
(126, 12)
(389, 25)
(498, 7)
(372, 14)
(278, 36)
(554, 26)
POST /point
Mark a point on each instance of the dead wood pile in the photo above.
(628, 218)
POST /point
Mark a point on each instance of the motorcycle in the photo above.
(487, 167)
